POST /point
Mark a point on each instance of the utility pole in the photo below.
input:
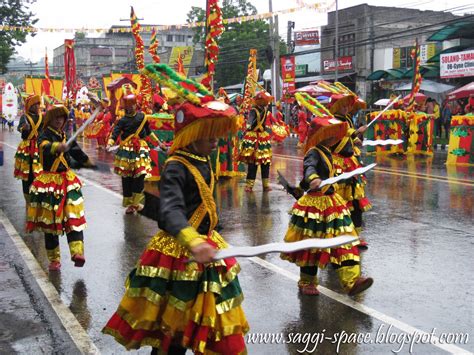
(336, 43)
(275, 48)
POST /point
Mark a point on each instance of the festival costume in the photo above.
(302, 127)
(56, 206)
(346, 159)
(322, 213)
(132, 160)
(256, 148)
(280, 130)
(171, 302)
(27, 164)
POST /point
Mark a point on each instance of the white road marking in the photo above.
(453, 349)
(79, 336)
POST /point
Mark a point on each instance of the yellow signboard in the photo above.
(186, 53)
(396, 58)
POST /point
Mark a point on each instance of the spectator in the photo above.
(446, 118)
(437, 119)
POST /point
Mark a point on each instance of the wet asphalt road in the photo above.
(420, 234)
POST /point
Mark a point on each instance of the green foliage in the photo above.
(13, 13)
(236, 41)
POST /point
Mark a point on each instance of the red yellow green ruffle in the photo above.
(56, 204)
(170, 300)
(133, 159)
(316, 215)
(26, 158)
(256, 148)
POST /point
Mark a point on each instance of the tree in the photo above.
(236, 41)
(13, 13)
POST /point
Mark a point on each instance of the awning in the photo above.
(462, 92)
(389, 74)
(429, 86)
(460, 29)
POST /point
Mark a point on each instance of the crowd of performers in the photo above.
(178, 297)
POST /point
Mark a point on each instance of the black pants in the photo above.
(52, 240)
(133, 185)
(26, 184)
(356, 214)
(252, 171)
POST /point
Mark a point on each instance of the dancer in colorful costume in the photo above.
(177, 297)
(322, 213)
(27, 164)
(56, 205)
(256, 148)
(280, 130)
(132, 160)
(346, 155)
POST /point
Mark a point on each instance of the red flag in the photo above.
(46, 84)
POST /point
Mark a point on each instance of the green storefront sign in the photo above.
(301, 70)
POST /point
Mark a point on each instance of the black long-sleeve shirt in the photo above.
(47, 143)
(128, 125)
(24, 121)
(317, 164)
(179, 195)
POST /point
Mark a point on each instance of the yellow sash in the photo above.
(34, 126)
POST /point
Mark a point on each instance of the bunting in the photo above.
(145, 90)
(214, 28)
(416, 82)
(314, 7)
(153, 49)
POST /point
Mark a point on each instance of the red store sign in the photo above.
(303, 38)
(345, 63)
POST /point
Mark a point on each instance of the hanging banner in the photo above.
(456, 65)
(288, 69)
(34, 84)
(186, 55)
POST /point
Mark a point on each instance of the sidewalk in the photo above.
(28, 324)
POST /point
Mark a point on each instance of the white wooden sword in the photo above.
(282, 247)
(382, 142)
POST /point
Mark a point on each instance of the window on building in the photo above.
(406, 61)
(346, 45)
(179, 38)
(169, 38)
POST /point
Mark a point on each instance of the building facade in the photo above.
(377, 38)
(116, 51)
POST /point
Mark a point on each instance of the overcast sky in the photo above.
(106, 13)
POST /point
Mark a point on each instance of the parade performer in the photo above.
(303, 125)
(27, 164)
(56, 206)
(177, 297)
(322, 213)
(132, 160)
(256, 149)
(103, 120)
(346, 155)
(280, 130)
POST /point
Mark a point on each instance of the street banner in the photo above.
(457, 65)
(288, 74)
